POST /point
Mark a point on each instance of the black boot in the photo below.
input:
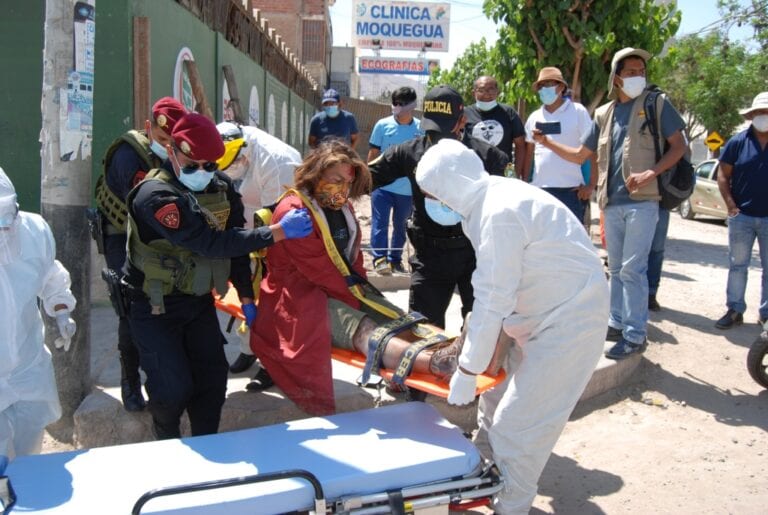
(130, 387)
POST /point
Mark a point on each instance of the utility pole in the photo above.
(66, 137)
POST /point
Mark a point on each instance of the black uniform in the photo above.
(182, 349)
(124, 169)
(443, 258)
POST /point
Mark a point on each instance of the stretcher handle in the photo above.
(243, 480)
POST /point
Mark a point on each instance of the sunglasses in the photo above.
(209, 166)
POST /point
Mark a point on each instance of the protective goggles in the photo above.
(232, 150)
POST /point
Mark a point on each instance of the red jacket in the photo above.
(292, 335)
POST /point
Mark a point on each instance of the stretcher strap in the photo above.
(409, 357)
(396, 502)
(379, 338)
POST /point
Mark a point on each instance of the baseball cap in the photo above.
(167, 112)
(196, 136)
(443, 106)
(331, 95)
(617, 57)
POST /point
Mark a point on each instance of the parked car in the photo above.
(706, 198)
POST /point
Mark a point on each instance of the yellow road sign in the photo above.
(714, 141)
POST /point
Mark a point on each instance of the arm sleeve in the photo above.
(353, 124)
(529, 126)
(377, 138)
(589, 139)
(389, 166)
(240, 266)
(671, 121)
(495, 282)
(121, 175)
(730, 152)
(193, 232)
(56, 284)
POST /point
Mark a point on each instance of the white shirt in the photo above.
(551, 170)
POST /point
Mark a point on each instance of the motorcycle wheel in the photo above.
(757, 360)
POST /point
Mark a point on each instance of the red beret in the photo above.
(166, 113)
(197, 137)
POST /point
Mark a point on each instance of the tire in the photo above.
(757, 360)
(686, 210)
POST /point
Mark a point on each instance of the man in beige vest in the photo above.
(627, 189)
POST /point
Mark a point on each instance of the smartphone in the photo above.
(548, 127)
(84, 37)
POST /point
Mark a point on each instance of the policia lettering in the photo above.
(399, 342)
(113, 208)
(438, 106)
(168, 268)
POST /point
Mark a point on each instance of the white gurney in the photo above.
(394, 459)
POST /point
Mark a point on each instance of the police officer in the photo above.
(443, 258)
(186, 236)
(126, 162)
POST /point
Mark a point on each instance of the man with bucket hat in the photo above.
(185, 237)
(443, 259)
(567, 122)
(627, 189)
(743, 183)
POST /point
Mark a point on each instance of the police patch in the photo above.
(168, 216)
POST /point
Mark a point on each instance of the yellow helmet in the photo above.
(232, 150)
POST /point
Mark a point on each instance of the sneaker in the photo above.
(653, 304)
(381, 267)
(613, 334)
(625, 348)
(730, 319)
(397, 268)
(242, 363)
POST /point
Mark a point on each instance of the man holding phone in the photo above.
(564, 121)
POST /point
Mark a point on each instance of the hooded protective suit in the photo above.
(28, 397)
(539, 278)
(266, 172)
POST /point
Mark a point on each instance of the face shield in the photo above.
(231, 162)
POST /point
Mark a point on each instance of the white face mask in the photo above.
(633, 86)
(760, 123)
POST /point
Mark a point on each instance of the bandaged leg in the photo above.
(439, 360)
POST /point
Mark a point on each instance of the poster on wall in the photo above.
(253, 108)
(76, 100)
(284, 122)
(418, 26)
(228, 113)
(182, 86)
(271, 115)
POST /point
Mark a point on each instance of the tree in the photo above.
(474, 62)
(708, 80)
(755, 14)
(578, 36)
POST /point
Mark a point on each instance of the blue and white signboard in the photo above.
(418, 26)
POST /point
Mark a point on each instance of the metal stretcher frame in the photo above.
(399, 458)
(230, 304)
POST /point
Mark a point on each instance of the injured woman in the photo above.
(315, 294)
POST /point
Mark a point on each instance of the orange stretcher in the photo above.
(230, 304)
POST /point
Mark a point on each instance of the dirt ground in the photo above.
(689, 432)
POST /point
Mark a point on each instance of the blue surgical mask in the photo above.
(441, 213)
(159, 150)
(548, 95)
(331, 111)
(486, 106)
(197, 180)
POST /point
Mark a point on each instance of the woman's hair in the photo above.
(330, 153)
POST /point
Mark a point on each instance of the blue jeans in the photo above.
(656, 256)
(629, 232)
(569, 197)
(382, 204)
(742, 232)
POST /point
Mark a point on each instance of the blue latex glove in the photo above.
(296, 223)
(250, 312)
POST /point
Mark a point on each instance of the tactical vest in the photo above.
(109, 204)
(169, 268)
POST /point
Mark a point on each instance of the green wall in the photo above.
(21, 62)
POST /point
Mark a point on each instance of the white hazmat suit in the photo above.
(265, 166)
(539, 278)
(29, 271)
